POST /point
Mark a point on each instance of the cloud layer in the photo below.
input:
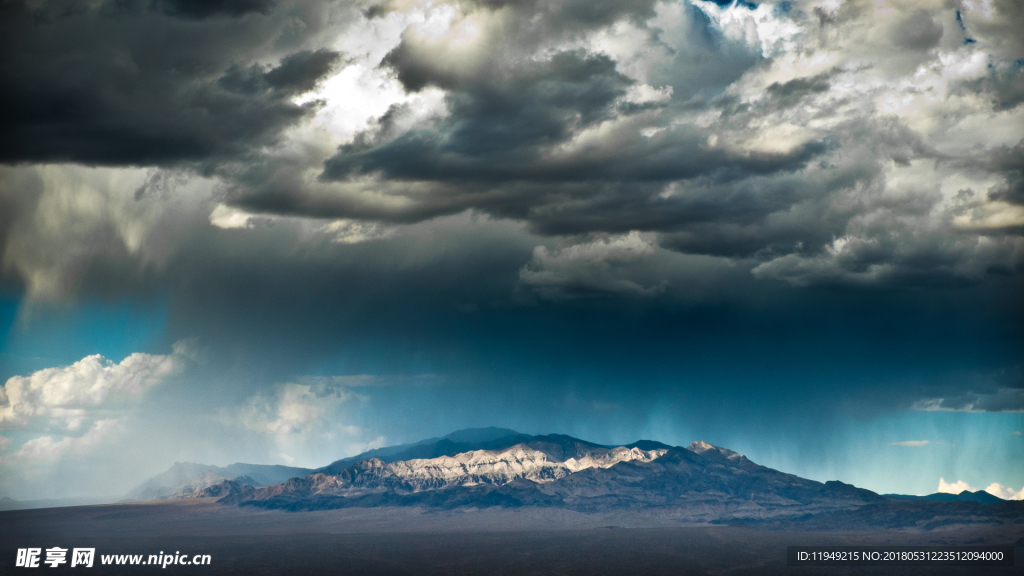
(69, 393)
(817, 143)
(829, 147)
(223, 91)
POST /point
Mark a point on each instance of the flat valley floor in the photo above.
(407, 541)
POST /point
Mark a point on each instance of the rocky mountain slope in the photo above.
(702, 483)
(537, 461)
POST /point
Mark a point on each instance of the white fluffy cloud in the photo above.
(68, 394)
(228, 217)
(911, 443)
(760, 28)
(46, 448)
(954, 487)
(995, 489)
(1005, 492)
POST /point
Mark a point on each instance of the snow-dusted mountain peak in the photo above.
(519, 461)
(702, 447)
(472, 468)
(504, 466)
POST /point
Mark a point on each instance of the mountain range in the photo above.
(488, 467)
(187, 479)
(965, 496)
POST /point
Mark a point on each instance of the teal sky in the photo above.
(822, 428)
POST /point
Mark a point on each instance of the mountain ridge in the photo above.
(188, 479)
(980, 496)
(500, 468)
(448, 445)
(702, 482)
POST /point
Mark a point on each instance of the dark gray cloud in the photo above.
(209, 8)
(792, 92)
(1004, 83)
(1009, 162)
(505, 115)
(493, 150)
(498, 123)
(119, 84)
(995, 27)
(540, 20)
(1001, 391)
(1002, 400)
(917, 31)
(702, 124)
(519, 140)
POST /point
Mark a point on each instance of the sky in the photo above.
(288, 231)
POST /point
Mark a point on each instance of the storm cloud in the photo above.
(131, 83)
(829, 157)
